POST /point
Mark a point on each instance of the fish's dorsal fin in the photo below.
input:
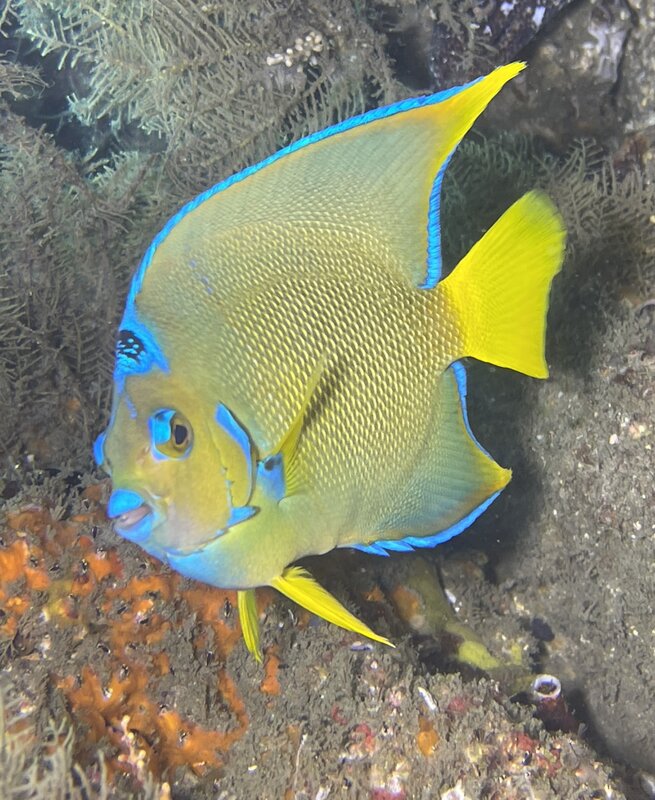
(247, 605)
(371, 183)
(298, 585)
(278, 472)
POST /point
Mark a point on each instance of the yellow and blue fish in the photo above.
(288, 375)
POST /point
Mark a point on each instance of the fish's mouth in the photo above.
(133, 518)
(135, 524)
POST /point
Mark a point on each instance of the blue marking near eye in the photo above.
(123, 501)
(160, 426)
(270, 476)
(227, 421)
(99, 449)
(161, 435)
(433, 266)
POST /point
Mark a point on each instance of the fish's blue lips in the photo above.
(134, 519)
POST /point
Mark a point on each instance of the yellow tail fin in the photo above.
(298, 585)
(499, 290)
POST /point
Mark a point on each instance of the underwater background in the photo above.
(120, 679)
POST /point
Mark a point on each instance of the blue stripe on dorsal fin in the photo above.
(434, 265)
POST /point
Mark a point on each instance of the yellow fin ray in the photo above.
(247, 605)
(298, 585)
(288, 445)
(499, 290)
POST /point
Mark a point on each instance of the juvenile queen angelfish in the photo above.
(287, 374)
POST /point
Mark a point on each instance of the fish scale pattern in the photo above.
(329, 297)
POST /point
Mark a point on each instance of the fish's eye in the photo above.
(171, 434)
(180, 434)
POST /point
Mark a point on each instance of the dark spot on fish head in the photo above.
(129, 346)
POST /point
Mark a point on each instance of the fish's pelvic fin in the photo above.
(247, 605)
(298, 585)
(499, 290)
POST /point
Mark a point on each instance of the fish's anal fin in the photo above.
(298, 585)
(407, 544)
(454, 481)
(279, 469)
(499, 290)
(247, 605)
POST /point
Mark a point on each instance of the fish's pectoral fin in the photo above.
(247, 605)
(298, 585)
(278, 472)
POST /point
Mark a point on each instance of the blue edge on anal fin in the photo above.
(382, 546)
(433, 270)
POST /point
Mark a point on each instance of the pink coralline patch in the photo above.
(362, 742)
(458, 706)
(338, 716)
(520, 747)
